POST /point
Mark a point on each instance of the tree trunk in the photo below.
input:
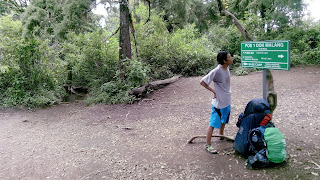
(124, 42)
(271, 94)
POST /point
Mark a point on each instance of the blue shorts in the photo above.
(219, 116)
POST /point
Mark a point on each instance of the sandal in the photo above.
(210, 149)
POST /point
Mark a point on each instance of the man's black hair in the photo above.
(222, 56)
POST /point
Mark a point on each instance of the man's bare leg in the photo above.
(209, 134)
(222, 128)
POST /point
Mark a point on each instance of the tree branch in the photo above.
(149, 12)
(112, 34)
(94, 6)
(236, 22)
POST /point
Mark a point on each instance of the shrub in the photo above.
(117, 91)
(91, 58)
(30, 81)
(184, 51)
(29, 68)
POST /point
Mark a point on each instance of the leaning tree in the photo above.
(271, 94)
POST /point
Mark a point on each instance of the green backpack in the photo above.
(276, 145)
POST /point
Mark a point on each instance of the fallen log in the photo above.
(75, 89)
(142, 91)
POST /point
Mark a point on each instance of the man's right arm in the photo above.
(208, 87)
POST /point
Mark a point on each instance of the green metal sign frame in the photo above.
(266, 54)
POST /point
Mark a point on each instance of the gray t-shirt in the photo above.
(221, 82)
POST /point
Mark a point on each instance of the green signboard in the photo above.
(266, 54)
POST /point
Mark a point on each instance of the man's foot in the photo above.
(210, 149)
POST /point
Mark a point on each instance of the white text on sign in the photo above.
(277, 44)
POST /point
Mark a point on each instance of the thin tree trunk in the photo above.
(124, 42)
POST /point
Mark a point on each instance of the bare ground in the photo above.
(148, 139)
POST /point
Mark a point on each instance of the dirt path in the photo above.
(147, 140)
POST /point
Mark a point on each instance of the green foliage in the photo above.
(10, 36)
(29, 69)
(41, 17)
(304, 41)
(240, 71)
(190, 54)
(62, 46)
(12, 7)
(278, 13)
(94, 60)
(153, 39)
(228, 38)
(117, 91)
(183, 51)
(303, 37)
(136, 73)
(75, 18)
(53, 19)
(120, 95)
(179, 13)
(255, 25)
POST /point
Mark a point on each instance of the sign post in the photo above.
(264, 84)
(266, 55)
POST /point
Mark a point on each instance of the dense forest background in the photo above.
(49, 48)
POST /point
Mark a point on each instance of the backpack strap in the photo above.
(240, 119)
(270, 124)
(266, 119)
(259, 160)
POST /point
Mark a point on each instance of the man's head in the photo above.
(223, 56)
